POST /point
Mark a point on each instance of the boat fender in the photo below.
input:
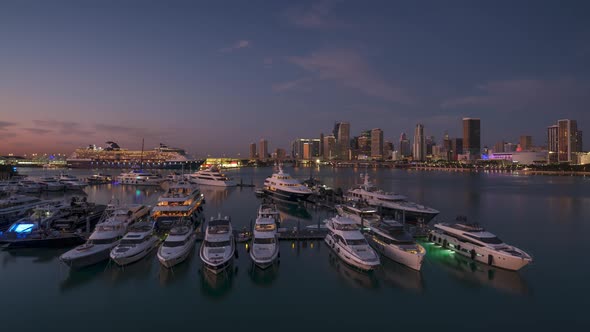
(472, 253)
(490, 259)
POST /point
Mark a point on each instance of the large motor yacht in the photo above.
(283, 187)
(390, 239)
(71, 182)
(49, 183)
(265, 243)
(218, 248)
(140, 178)
(397, 204)
(211, 176)
(29, 187)
(178, 244)
(17, 206)
(472, 240)
(269, 210)
(182, 200)
(345, 238)
(105, 237)
(362, 213)
(139, 241)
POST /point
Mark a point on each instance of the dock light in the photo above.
(292, 245)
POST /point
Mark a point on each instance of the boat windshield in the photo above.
(172, 244)
(216, 244)
(488, 240)
(265, 227)
(269, 240)
(103, 241)
(345, 227)
(131, 241)
(358, 242)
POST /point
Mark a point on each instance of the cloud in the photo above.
(6, 124)
(268, 61)
(289, 85)
(40, 131)
(125, 130)
(519, 94)
(236, 46)
(350, 69)
(316, 15)
(63, 127)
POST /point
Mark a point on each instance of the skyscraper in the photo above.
(526, 142)
(552, 143)
(329, 147)
(321, 152)
(377, 143)
(253, 151)
(404, 146)
(387, 149)
(472, 138)
(430, 142)
(299, 148)
(499, 147)
(263, 149)
(566, 140)
(342, 134)
(419, 151)
(457, 145)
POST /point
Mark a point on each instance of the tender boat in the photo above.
(105, 237)
(218, 248)
(345, 238)
(472, 240)
(178, 244)
(390, 239)
(211, 176)
(51, 184)
(182, 200)
(265, 243)
(393, 203)
(71, 182)
(285, 188)
(139, 241)
(140, 178)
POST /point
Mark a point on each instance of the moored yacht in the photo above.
(105, 237)
(99, 178)
(345, 238)
(390, 239)
(269, 210)
(218, 248)
(71, 182)
(182, 200)
(140, 178)
(265, 242)
(397, 204)
(139, 241)
(359, 212)
(472, 240)
(282, 186)
(178, 244)
(49, 183)
(211, 176)
(29, 186)
(17, 206)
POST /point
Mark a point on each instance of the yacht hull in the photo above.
(218, 268)
(413, 261)
(287, 196)
(57, 242)
(265, 262)
(214, 183)
(123, 260)
(173, 260)
(347, 258)
(87, 259)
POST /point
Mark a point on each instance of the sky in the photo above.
(214, 76)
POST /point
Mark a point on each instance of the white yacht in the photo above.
(178, 244)
(269, 210)
(345, 238)
(390, 239)
(359, 212)
(71, 182)
(265, 243)
(218, 248)
(398, 204)
(211, 176)
(140, 178)
(49, 183)
(139, 241)
(182, 200)
(29, 187)
(105, 237)
(283, 187)
(15, 206)
(473, 241)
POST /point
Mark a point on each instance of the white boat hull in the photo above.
(396, 254)
(347, 258)
(132, 257)
(170, 261)
(203, 182)
(264, 262)
(77, 259)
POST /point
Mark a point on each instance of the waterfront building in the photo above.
(321, 152)
(567, 143)
(419, 151)
(526, 143)
(329, 147)
(263, 149)
(279, 154)
(342, 134)
(377, 143)
(510, 147)
(404, 146)
(456, 149)
(522, 158)
(305, 148)
(552, 143)
(472, 138)
(582, 158)
(430, 142)
(387, 150)
(253, 154)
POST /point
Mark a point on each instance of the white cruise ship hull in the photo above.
(396, 254)
(348, 258)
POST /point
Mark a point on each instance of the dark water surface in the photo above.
(311, 289)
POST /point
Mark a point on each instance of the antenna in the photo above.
(141, 157)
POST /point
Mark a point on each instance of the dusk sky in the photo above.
(213, 76)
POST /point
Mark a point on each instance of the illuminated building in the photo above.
(472, 138)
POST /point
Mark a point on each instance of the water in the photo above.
(311, 289)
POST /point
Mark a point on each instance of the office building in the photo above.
(419, 151)
(404, 146)
(377, 143)
(472, 138)
(263, 149)
(253, 154)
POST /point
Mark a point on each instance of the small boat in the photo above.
(345, 238)
(140, 178)
(178, 244)
(390, 239)
(218, 248)
(139, 241)
(243, 236)
(265, 243)
(259, 192)
(284, 187)
(362, 213)
(211, 176)
(99, 179)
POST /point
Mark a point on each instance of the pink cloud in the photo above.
(237, 45)
(315, 15)
(289, 85)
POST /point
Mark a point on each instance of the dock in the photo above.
(286, 235)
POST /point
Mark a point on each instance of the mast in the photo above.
(141, 156)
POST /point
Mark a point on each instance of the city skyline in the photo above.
(75, 75)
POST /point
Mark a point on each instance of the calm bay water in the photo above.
(549, 217)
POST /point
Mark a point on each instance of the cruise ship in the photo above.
(211, 177)
(113, 156)
(285, 188)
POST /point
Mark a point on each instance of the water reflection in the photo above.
(400, 276)
(218, 285)
(77, 278)
(140, 270)
(266, 277)
(216, 195)
(293, 211)
(472, 273)
(38, 256)
(352, 276)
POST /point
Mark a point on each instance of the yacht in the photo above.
(391, 202)
(218, 248)
(140, 178)
(283, 187)
(472, 240)
(363, 214)
(51, 184)
(99, 178)
(29, 187)
(178, 244)
(139, 241)
(105, 237)
(211, 176)
(71, 182)
(265, 244)
(390, 239)
(182, 200)
(269, 210)
(9, 186)
(34, 234)
(17, 206)
(345, 238)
